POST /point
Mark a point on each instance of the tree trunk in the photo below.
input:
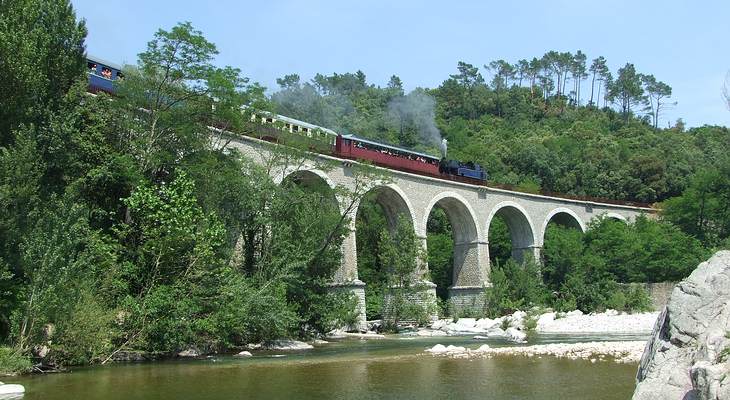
(593, 81)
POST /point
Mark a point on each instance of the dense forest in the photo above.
(115, 237)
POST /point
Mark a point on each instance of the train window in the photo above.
(120, 75)
(92, 67)
(295, 128)
(106, 73)
(305, 130)
(269, 120)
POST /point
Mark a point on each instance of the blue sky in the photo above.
(683, 43)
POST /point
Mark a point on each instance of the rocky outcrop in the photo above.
(684, 358)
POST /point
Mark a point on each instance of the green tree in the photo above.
(401, 254)
(656, 92)
(626, 90)
(42, 53)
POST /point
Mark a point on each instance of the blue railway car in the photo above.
(102, 74)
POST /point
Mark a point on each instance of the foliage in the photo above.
(440, 245)
(115, 232)
(702, 210)
(12, 362)
(514, 287)
(42, 52)
(401, 254)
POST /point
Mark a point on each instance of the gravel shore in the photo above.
(622, 352)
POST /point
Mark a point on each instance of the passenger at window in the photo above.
(106, 73)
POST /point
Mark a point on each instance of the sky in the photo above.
(683, 43)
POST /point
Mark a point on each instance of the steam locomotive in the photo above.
(282, 129)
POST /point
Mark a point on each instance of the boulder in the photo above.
(683, 359)
(11, 389)
(487, 323)
(466, 322)
(437, 349)
(288, 344)
(441, 323)
(243, 354)
(496, 332)
(516, 335)
(191, 352)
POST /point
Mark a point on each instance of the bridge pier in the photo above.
(357, 288)
(521, 254)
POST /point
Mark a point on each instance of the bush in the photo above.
(514, 287)
(12, 363)
(637, 299)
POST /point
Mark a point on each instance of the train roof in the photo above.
(103, 62)
(387, 146)
(302, 123)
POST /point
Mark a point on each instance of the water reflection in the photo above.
(388, 369)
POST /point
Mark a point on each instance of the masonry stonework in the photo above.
(470, 209)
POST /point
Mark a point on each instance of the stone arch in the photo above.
(313, 179)
(617, 216)
(565, 217)
(395, 203)
(467, 269)
(521, 228)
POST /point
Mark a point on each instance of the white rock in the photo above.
(288, 344)
(368, 335)
(574, 313)
(244, 354)
(518, 316)
(487, 323)
(191, 352)
(9, 389)
(496, 333)
(455, 349)
(483, 348)
(319, 341)
(466, 322)
(516, 335)
(611, 312)
(441, 323)
(545, 319)
(681, 359)
(437, 349)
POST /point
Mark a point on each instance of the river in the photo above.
(393, 368)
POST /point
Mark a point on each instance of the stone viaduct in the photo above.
(470, 210)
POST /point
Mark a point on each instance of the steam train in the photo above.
(282, 129)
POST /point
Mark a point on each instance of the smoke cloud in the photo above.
(417, 110)
(307, 104)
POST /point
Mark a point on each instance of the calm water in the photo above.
(351, 369)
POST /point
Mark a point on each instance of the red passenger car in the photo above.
(357, 148)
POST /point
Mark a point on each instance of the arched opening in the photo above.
(510, 234)
(562, 247)
(381, 210)
(440, 245)
(450, 215)
(311, 216)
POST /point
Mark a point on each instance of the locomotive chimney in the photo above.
(444, 145)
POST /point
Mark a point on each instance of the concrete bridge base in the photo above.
(466, 300)
(357, 288)
(423, 295)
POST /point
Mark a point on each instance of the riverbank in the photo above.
(621, 351)
(513, 327)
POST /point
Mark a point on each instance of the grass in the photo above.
(12, 363)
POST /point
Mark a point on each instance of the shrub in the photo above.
(11, 362)
(514, 287)
(637, 298)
